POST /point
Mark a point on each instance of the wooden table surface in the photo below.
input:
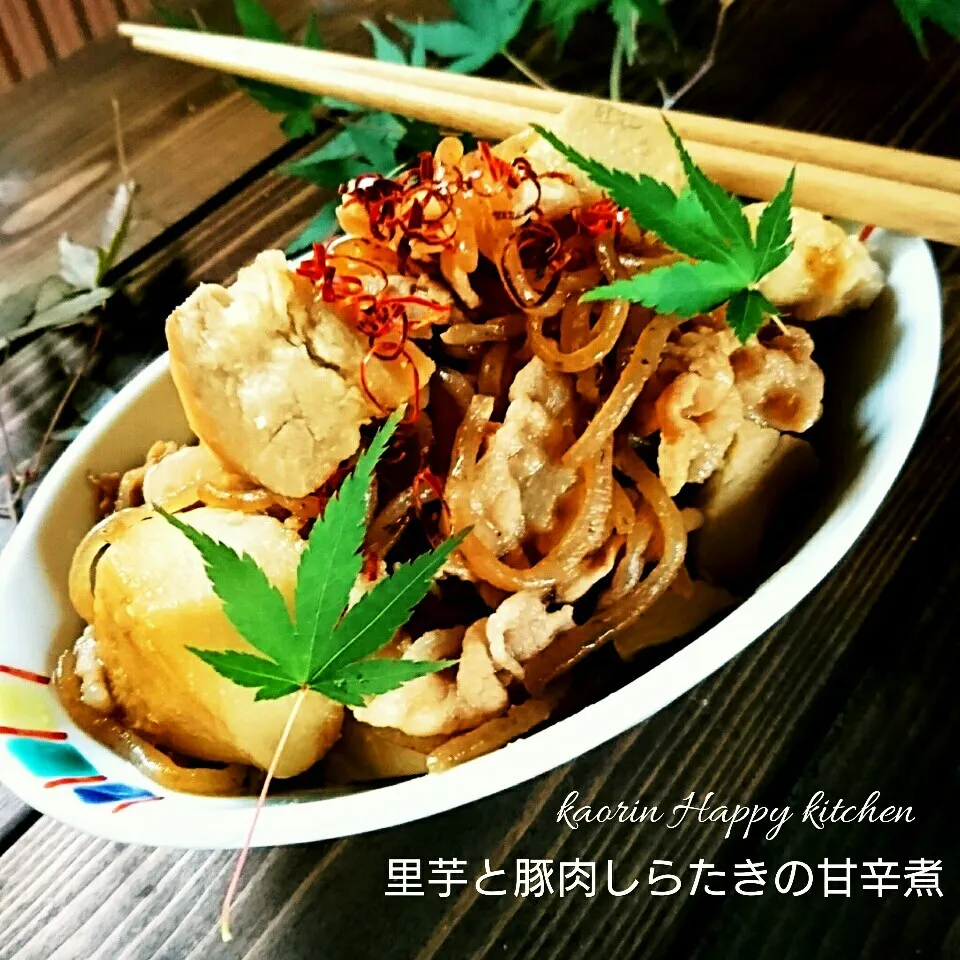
(853, 692)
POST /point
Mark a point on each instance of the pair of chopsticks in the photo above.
(897, 189)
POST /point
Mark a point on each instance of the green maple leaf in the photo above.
(172, 17)
(297, 107)
(369, 678)
(324, 647)
(686, 289)
(703, 222)
(369, 141)
(312, 39)
(257, 23)
(945, 13)
(376, 137)
(247, 670)
(331, 563)
(563, 15)
(368, 625)
(236, 579)
(366, 144)
(482, 29)
(747, 311)
(320, 229)
(649, 12)
(383, 47)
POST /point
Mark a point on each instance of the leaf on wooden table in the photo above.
(171, 17)
(482, 30)
(299, 123)
(257, 23)
(377, 136)
(652, 12)
(320, 229)
(16, 308)
(312, 39)
(67, 434)
(116, 225)
(418, 52)
(328, 174)
(944, 13)
(383, 47)
(52, 291)
(79, 265)
(562, 16)
(369, 143)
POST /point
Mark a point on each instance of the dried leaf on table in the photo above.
(116, 225)
(65, 313)
(79, 265)
(17, 308)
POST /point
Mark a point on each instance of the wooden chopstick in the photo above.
(297, 70)
(907, 166)
(490, 111)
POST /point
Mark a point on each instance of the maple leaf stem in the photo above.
(616, 70)
(225, 912)
(523, 67)
(34, 469)
(119, 145)
(671, 100)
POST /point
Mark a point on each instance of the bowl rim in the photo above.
(210, 823)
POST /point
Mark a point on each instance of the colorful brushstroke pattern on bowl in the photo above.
(30, 731)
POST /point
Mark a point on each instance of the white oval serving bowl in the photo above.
(62, 772)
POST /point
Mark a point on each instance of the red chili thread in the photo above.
(371, 566)
(600, 217)
(425, 476)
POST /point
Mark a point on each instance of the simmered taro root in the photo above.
(272, 379)
(151, 601)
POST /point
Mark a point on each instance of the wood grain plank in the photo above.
(9, 66)
(58, 139)
(23, 38)
(42, 28)
(102, 15)
(63, 27)
(83, 21)
(15, 815)
(66, 153)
